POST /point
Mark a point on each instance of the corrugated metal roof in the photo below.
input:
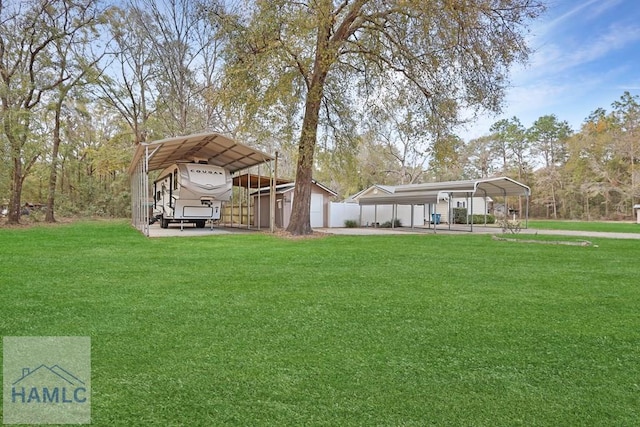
(501, 186)
(403, 198)
(411, 194)
(217, 149)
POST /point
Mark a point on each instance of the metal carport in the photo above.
(429, 193)
(217, 149)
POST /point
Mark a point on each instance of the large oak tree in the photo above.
(456, 54)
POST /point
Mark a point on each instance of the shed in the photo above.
(319, 212)
(637, 209)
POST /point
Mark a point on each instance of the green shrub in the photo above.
(459, 215)
(479, 219)
(351, 223)
(396, 223)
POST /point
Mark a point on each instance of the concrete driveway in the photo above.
(189, 230)
(444, 229)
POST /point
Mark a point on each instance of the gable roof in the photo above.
(290, 186)
(373, 190)
(218, 149)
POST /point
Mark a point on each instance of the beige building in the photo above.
(319, 214)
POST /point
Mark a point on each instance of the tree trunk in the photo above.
(13, 216)
(16, 192)
(53, 174)
(300, 222)
(325, 55)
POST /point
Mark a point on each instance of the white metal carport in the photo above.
(428, 194)
(217, 149)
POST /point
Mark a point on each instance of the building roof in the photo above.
(290, 186)
(404, 198)
(374, 189)
(217, 149)
(414, 194)
(483, 187)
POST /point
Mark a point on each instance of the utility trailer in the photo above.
(191, 193)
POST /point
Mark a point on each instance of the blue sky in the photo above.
(586, 55)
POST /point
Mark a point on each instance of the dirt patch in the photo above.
(282, 234)
(28, 222)
(545, 242)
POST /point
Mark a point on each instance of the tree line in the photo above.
(590, 173)
(351, 93)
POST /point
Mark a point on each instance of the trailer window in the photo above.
(175, 179)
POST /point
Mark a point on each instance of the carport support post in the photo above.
(257, 208)
(394, 210)
(434, 216)
(424, 212)
(412, 216)
(506, 207)
(375, 216)
(526, 217)
(449, 209)
(272, 192)
(470, 215)
(485, 207)
(248, 201)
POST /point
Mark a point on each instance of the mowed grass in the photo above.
(411, 330)
(605, 226)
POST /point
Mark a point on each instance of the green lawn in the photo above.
(410, 330)
(613, 227)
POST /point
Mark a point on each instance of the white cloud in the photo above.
(616, 38)
(594, 8)
(600, 7)
(583, 59)
(558, 57)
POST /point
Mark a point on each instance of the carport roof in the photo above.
(218, 149)
(247, 180)
(413, 194)
(404, 198)
(492, 187)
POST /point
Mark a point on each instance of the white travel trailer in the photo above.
(191, 192)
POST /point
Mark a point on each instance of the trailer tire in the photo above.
(164, 223)
(200, 223)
